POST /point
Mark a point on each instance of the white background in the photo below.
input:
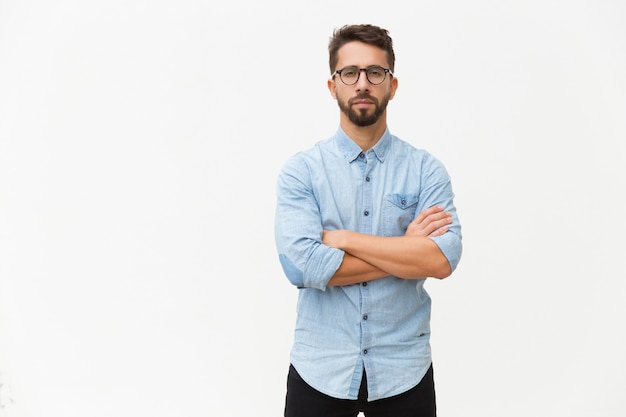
(139, 146)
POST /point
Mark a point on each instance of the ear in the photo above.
(393, 87)
(332, 88)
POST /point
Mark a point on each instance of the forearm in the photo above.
(354, 270)
(410, 257)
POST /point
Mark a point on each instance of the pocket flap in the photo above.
(403, 201)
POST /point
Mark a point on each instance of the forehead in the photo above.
(361, 55)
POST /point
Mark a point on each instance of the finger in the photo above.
(426, 213)
(437, 219)
(439, 231)
(436, 224)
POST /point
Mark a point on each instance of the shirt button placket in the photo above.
(367, 197)
(367, 224)
(365, 328)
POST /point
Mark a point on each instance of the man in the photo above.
(362, 219)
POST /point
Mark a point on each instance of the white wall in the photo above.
(139, 145)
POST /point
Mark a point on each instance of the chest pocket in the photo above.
(398, 212)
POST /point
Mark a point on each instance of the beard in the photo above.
(361, 117)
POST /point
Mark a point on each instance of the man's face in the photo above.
(362, 103)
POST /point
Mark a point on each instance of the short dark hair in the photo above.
(369, 34)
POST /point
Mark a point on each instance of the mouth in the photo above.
(362, 103)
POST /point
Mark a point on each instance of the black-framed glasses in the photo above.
(375, 74)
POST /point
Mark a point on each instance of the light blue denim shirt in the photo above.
(382, 326)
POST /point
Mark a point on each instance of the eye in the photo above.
(349, 72)
(376, 71)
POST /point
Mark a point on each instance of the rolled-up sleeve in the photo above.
(437, 190)
(450, 245)
(298, 229)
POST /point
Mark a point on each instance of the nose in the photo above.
(362, 83)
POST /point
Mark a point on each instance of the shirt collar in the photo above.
(351, 150)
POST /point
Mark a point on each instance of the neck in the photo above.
(366, 137)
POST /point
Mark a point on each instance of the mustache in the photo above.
(363, 96)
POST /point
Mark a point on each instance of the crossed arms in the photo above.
(412, 256)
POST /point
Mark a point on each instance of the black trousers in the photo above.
(302, 400)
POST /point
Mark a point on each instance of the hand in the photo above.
(431, 222)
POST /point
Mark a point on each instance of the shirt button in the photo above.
(367, 213)
(367, 179)
(403, 202)
(365, 351)
(364, 284)
(365, 317)
(361, 155)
